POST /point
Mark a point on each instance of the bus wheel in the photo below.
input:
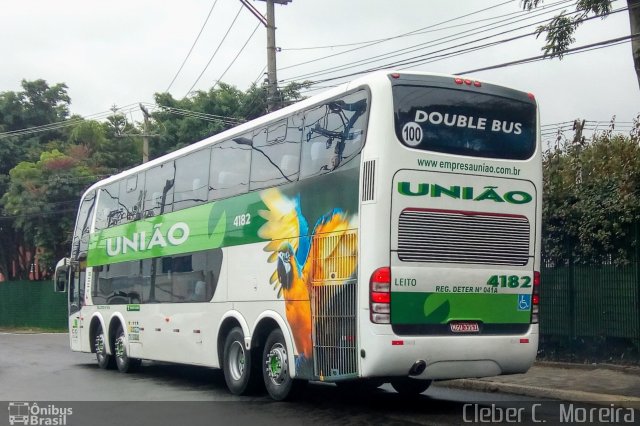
(275, 369)
(406, 386)
(105, 361)
(237, 364)
(123, 362)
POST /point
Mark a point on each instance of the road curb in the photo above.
(627, 369)
(541, 392)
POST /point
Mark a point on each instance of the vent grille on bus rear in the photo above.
(368, 180)
(463, 237)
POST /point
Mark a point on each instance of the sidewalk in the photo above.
(600, 384)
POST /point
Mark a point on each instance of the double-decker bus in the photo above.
(386, 231)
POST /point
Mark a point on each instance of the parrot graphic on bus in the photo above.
(302, 260)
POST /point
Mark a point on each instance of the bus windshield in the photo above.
(464, 122)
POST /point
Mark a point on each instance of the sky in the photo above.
(122, 52)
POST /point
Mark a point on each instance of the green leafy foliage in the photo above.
(43, 197)
(591, 207)
(559, 31)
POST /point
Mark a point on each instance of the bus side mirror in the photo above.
(60, 277)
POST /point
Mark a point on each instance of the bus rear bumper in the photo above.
(448, 357)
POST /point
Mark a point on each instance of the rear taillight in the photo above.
(535, 298)
(380, 296)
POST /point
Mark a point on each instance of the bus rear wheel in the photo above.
(409, 387)
(275, 368)
(123, 362)
(105, 361)
(237, 364)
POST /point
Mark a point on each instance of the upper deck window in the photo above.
(464, 123)
(333, 134)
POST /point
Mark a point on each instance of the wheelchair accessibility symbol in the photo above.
(524, 302)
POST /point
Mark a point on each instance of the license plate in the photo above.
(464, 327)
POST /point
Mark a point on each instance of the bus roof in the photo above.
(373, 79)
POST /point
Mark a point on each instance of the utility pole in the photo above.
(272, 90)
(270, 24)
(578, 142)
(578, 126)
(145, 134)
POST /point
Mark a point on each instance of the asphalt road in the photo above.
(68, 386)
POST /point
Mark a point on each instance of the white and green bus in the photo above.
(387, 231)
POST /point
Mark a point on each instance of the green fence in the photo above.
(590, 301)
(593, 306)
(32, 304)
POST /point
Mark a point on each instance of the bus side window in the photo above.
(76, 289)
(159, 189)
(80, 243)
(333, 134)
(192, 177)
(355, 109)
(316, 154)
(276, 153)
(230, 162)
(131, 197)
(110, 211)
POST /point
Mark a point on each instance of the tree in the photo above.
(591, 210)
(43, 197)
(559, 32)
(36, 104)
(188, 120)
(107, 147)
(206, 113)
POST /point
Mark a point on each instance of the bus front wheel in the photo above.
(105, 361)
(275, 368)
(237, 364)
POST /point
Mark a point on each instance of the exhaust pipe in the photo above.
(418, 368)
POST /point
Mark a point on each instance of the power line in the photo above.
(123, 110)
(40, 214)
(192, 46)
(238, 54)
(456, 37)
(62, 124)
(216, 51)
(566, 52)
(400, 35)
(428, 57)
(440, 41)
(260, 75)
(200, 115)
(409, 34)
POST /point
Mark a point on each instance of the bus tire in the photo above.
(105, 361)
(237, 364)
(410, 387)
(123, 362)
(275, 368)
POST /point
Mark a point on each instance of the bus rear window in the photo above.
(464, 123)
